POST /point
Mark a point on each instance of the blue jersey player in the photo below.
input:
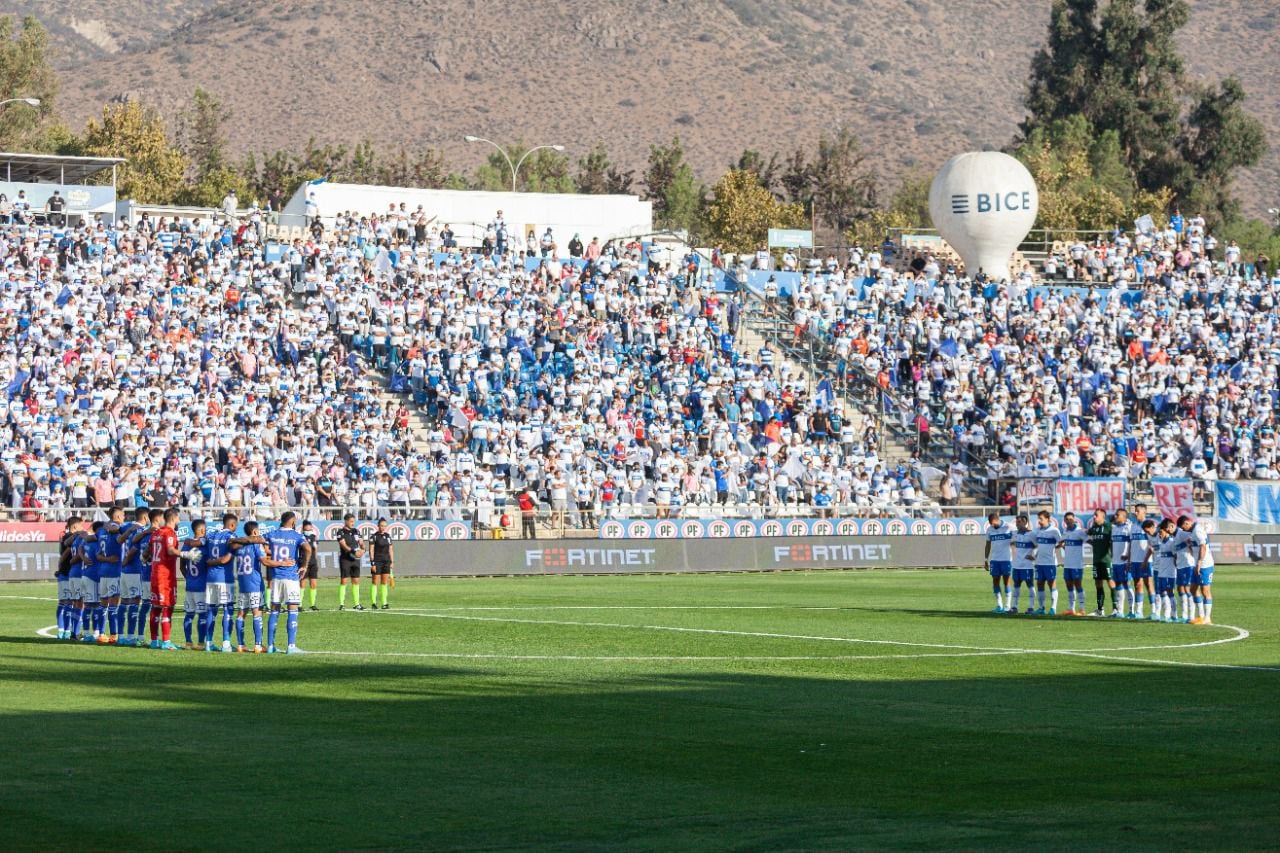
(92, 612)
(109, 554)
(135, 543)
(1024, 568)
(289, 551)
(194, 572)
(999, 558)
(219, 581)
(250, 558)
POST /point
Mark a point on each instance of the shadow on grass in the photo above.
(318, 753)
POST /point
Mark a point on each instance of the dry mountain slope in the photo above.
(920, 80)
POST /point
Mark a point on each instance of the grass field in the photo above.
(774, 711)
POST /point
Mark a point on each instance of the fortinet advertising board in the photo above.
(39, 560)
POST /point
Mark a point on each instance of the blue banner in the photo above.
(1247, 503)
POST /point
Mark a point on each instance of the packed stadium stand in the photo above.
(368, 361)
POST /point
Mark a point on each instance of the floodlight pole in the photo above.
(514, 167)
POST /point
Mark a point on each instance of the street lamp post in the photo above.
(514, 167)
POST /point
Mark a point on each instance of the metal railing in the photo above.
(543, 522)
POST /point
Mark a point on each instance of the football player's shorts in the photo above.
(1184, 575)
(1139, 571)
(1073, 575)
(249, 600)
(1120, 573)
(108, 588)
(1023, 575)
(348, 568)
(312, 571)
(1164, 585)
(1046, 573)
(64, 589)
(194, 602)
(131, 586)
(286, 592)
(1001, 568)
(1206, 576)
(89, 590)
(380, 567)
(1101, 572)
(164, 588)
(217, 594)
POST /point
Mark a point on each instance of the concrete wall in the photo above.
(603, 216)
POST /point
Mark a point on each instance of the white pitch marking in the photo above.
(1168, 662)
(30, 597)
(616, 607)
(719, 631)
(1240, 634)
(660, 658)
(44, 632)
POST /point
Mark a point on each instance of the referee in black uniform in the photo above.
(383, 562)
(311, 572)
(350, 550)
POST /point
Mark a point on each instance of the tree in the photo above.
(26, 72)
(428, 169)
(741, 212)
(155, 169)
(1118, 68)
(843, 183)
(202, 138)
(597, 176)
(202, 132)
(543, 171)
(684, 203)
(797, 179)
(618, 182)
(1083, 180)
(1219, 137)
(766, 173)
(665, 162)
(593, 171)
(546, 171)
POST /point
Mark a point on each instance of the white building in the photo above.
(468, 211)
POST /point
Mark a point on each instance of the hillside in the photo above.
(919, 80)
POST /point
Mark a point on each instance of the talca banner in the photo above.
(1082, 495)
(1248, 502)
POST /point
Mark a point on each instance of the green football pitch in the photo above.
(769, 711)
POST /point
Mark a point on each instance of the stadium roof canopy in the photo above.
(53, 168)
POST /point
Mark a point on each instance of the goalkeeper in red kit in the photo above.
(164, 579)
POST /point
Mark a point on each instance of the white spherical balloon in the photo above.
(983, 203)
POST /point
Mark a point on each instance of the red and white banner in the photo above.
(1083, 495)
(1035, 490)
(1174, 497)
(21, 531)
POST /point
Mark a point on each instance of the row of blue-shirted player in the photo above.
(1163, 559)
(115, 577)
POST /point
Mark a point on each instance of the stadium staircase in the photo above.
(814, 360)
